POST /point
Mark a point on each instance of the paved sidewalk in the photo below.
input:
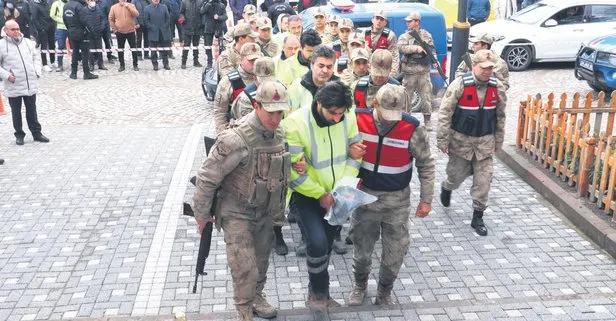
(91, 225)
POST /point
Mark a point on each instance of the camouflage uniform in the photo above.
(230, 57)
(380, 64)
(348, 76)
(501, 71)
(392, 47)
(224, 92)
(416, 69)
(468, 155)
(269, 48)
(248, 192)
(390, 214)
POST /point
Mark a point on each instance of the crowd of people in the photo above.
(339, 98)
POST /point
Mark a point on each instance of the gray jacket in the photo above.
(19, 58)
(189, 11)
(157, 20)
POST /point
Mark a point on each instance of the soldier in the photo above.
(356, 40)
(484, 41)
(264, 26)
(360, 67)
(386, 172)
(333, 32)
(415, 65)
(294, 28)
(247, 14)
(228, 59)
(379, 37)
(297, 66)
(320, 21)
(341, 44)
(367, 86)
(249, 191)
(263, 70)
(471, 131)
(322, 132)
(290, 46)
(233, 83)
(301, 92)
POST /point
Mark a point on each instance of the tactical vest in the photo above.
(342, 64)
(251, 92)
(361, 90)
(236, 83)
(262, 183)
(472, 118)
(418, 58)
(387, 164)
(381, 43)
(337, 46)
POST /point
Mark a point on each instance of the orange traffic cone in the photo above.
(2, 112)
(68, 47)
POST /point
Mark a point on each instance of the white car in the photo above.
(550, 30)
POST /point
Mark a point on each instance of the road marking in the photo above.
(150, 293)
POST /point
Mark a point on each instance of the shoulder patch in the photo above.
(386, 31)
(409, 118)
(363, 82)
(234, 75)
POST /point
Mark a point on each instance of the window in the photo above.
(570, 15)
(601, 13)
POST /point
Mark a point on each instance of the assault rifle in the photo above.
(429, 53)
(206, 235)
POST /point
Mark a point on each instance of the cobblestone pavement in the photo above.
(91, 223)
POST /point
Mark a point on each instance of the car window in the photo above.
(570, 15)
(533, 13)
(601, 13)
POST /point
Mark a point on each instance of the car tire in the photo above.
(518, 57)
(415, 103)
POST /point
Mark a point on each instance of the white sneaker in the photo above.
(47, 68)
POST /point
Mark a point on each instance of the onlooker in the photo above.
(237, 7)
(122, 21)
(20, 71)
(19, 10)
(277, 8)
(96, 23)
(505, 8)
(478, 11)
(142, 31)
(46, 30)
(214, 17)
(106, 5)
(190, 19)
(75, 19)
(157, 21)
(56, 12)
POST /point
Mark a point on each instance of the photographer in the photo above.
(214, 17)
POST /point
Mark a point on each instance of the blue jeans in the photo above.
(318, 236)
(61, 36)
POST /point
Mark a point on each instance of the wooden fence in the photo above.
(560, 137)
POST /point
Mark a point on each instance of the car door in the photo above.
(562, 41)
(600, 19)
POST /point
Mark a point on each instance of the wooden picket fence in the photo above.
(559, 137)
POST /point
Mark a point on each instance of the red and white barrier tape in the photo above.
(145, 49)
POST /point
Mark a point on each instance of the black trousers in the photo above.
(48, 42)
(96, 42)
(142, 41)
(163, 53)
(31, 116)
(81, 50)
(122, 39)
(190, 40)
(107, 41)
(208, 40)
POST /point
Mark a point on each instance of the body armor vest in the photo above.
(471, 117)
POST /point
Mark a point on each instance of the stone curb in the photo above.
(566, 202)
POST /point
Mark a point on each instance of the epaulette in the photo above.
(468, 79)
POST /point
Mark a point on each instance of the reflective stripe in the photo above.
(386, 169)
(370, 138)
(353, 163)
(471, 107)
(319, 269)
(333, 162)
(314, 151)
(296, 149)
(298, 181)
(323, 262)
(316, 260)
(355, 139)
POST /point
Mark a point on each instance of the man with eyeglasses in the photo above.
(20, 70)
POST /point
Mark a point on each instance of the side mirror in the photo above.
(550, 23)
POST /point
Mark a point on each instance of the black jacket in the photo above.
(208, 10)
(95, 20)
(278, 8)
(75, 19)
(41, 19)
(193, 24)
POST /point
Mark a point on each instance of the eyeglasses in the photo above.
(14, 29)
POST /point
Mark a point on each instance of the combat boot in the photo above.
(445, 197)
(358, 294)
(383, 295)
(244, 313)
(477, 223)
(281, 247)
(262, 308)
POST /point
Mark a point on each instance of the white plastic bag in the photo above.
(347, 198)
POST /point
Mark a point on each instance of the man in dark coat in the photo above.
(190, 19)
(46, 30)
(75, 19)
(157, 22)
(142, 31)
(277, 8)
(96, 23)
(214, 17)
(237, 7)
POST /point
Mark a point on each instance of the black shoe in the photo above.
(110, 60)
(155, 67)
(135, 68)
(139, 58)
(348, 241)
(166, 67)
(281, 247)
(73, 76)
(102, 67)
(147, 57)
(339, 247)
(445, 197)
(183, 66)
(291, 217)
(90, 76)
(171, 56)
(1, 161)
(19, 140)
(122, 68)
(40, 138)
(478, 225)
(197, 64)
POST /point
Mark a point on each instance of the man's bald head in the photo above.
(290, 45)
(11, 28)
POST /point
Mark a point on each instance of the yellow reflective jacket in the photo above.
(325, 148)
(56, 11)
(294, 68)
